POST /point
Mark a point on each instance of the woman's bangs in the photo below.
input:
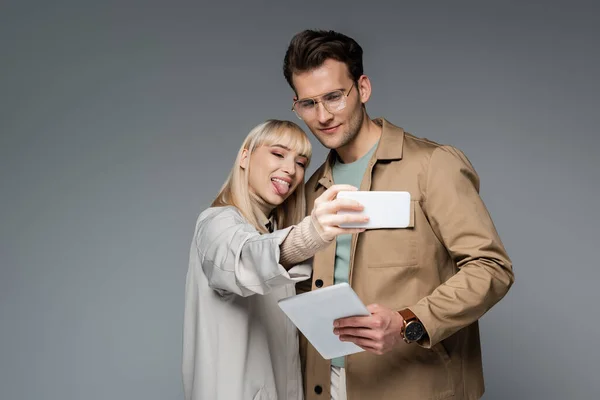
(289, 137)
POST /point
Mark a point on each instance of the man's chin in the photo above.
(331, 144)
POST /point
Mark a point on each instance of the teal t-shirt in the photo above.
(350, 174)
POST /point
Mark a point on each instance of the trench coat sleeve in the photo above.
(237, 259)
(462, 223)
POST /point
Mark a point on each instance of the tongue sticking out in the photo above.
(281, 188)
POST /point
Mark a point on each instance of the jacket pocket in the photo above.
(442, 353)
(445, 361)
(425, 373)
(389, 248)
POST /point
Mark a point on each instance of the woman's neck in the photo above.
(261, 206)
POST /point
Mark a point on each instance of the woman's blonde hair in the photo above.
(235, 191)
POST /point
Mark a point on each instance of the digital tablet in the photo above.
(386, 209)
(313, 314)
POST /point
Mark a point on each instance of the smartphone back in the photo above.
(386, 209)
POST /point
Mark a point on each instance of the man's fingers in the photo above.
(369, 349)
(359, 333)
(373, 308)
(370, 322)
(352, 322)
(347, 322)
(365, 344)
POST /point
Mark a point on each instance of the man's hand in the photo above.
(377, 333)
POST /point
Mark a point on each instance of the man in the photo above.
(426, 286)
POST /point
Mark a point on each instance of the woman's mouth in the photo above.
(281, 186)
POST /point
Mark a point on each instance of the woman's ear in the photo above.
(244, 159)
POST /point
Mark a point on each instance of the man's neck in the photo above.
(364, 141)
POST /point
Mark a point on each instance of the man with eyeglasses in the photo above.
(427, 285)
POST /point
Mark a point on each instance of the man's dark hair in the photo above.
(309, 49)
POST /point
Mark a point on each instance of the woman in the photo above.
(246, 255)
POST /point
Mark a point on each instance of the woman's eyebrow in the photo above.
(288, 149)
(281, 146)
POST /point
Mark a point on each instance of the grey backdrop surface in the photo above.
(120, 120)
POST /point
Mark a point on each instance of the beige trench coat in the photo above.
(449, 267)
(237, 343)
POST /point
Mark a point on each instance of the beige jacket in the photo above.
(237, 343)
(449, 267)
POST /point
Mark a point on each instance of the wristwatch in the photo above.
(412, 329)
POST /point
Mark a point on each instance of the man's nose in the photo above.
(322, 114)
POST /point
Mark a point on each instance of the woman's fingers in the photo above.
(335, 220)
(333, 206)
(327, 208)
(332, 192)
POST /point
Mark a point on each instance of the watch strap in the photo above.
(407, 315)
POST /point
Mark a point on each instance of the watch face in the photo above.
(414, 331)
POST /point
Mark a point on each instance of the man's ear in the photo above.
(364, 88)
(244, 159)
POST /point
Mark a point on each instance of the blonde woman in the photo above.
(249, 249)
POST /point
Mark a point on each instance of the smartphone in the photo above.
(386, 209)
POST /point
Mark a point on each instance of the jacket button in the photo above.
(319, 283)
(318, 389)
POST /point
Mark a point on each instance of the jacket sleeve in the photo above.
(462, 223)
(237, 259)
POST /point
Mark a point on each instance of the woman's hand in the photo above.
(324, 213)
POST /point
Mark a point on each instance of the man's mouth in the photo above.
(329, 130)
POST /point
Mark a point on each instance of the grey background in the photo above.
(120, 120)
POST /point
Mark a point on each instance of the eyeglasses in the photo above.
(332, 101)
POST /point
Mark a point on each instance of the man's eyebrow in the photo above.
(320, 95)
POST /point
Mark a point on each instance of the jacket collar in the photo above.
(390, 147)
